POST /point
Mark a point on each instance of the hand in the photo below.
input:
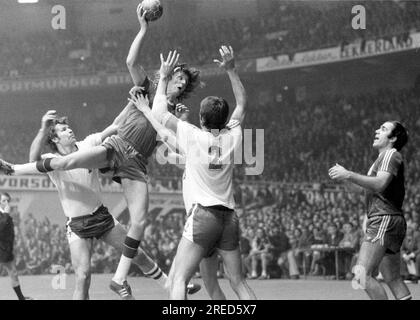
(140, 101)
(228, 60)
(136, 90)
(48, 119)
(141, 16)
(339, 173)
(167, 67)
(182, 112)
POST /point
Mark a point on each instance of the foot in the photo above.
(193, 288)
(28, 298)
(6, 168)
(264, 277)
(124, 290)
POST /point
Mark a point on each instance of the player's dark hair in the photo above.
(5, 194)
(401, 133)
(214, 112)
(52, 133)
(194, 80)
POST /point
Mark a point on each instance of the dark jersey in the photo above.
(389, 201)
(137, 130)
(7, 232)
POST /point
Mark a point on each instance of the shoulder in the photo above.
(389, 158)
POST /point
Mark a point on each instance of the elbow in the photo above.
(130, 63)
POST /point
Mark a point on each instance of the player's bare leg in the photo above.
(370, 256)
(208, 271)
(390, 270)
(13, 274)
(187, 259)
(94, 158)
(233, 267)
(81, 253)
(137, 196)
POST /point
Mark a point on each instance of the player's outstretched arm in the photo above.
(41, 138)
(228, 63)
(167, 66)
(375, 184)
(137, 72)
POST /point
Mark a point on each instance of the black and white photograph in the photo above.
(209, 150)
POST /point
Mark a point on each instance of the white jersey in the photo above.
(78, 189)
(209, 162)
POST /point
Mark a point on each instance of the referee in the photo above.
(7, 237)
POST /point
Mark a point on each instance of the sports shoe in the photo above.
(124, 290)
(28, 298)
(6, 168)
(193, 288)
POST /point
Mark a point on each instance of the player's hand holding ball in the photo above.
(151, 10)
(228, 59)
(141, 16)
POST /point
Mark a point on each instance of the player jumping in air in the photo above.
(7, 238)
(385, 225)
(212, 223)
(125, 153)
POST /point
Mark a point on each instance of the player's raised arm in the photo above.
(41, 138)
(137, 72)
(160, 104)
(228, 63)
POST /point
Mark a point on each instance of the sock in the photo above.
(157, 274)
(19, 292)
(129, 251)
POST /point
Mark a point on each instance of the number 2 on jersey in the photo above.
(216, 153)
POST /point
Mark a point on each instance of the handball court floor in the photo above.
(41, 288)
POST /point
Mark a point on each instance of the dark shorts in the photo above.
(125, 161)
(389, 230)
(6, 252)
(90, 226)
(212, 229)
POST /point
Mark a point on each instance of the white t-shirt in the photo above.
(209, 162)
(78, 189)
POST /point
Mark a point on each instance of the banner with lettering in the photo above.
(100, 80)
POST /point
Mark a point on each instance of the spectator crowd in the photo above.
(281, 29)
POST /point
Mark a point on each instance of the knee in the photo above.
(82, 275)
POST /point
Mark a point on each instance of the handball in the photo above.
(153, 8)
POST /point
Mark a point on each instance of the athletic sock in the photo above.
(157, 274)
(19, 292)
(129, 251)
